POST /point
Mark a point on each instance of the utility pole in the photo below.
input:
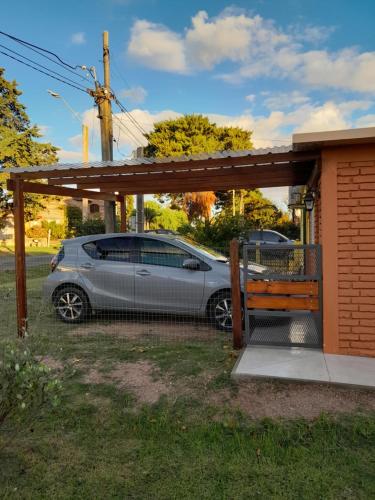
(85, 159)
(103, 97)
(140, 206)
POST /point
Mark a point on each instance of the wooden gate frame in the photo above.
(285, 295)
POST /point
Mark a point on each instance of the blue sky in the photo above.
(273, 67)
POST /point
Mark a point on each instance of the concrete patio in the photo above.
(306, 365)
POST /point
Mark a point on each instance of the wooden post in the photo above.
(85, 159)
(123, 214)
(19, 235)
(236, 295)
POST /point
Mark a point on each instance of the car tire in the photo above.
(220, 311)
(71, 305)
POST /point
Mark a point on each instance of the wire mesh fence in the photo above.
(123, 287)
(284, 301)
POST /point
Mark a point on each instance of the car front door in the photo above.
(107, 269)
(161, 282)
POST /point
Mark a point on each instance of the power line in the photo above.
(131, 117)
(41, 66)
(127, 131)
(12, 37)
(41, 71)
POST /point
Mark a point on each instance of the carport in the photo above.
(113, 180)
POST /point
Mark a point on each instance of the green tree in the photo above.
(159, 217)
(193, 134)
(19, 145)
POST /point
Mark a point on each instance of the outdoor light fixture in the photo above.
(309, 201)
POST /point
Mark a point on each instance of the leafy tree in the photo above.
(193, 134)
(152, 210)
(19, 146)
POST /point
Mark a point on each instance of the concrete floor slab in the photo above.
(303, 364)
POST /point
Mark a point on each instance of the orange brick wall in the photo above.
(356, 257)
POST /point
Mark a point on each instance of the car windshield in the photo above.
(205, 251)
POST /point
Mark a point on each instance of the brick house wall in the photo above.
(356, 256)
(347, 219)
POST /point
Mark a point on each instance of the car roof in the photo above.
(80, 240)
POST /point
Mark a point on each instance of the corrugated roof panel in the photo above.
(150, 161)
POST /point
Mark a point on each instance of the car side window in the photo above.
(255, 236)
(111, 249)
(158, 253)
(271, 237)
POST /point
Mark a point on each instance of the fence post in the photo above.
(236, 294)
(19, 234)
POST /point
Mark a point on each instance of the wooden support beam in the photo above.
(70, 174)
(123, 227)
(253, 171)
(35, 187)
(19, 236)
(236, 295)
(143, 187)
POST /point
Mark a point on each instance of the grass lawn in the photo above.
(9, 250)
(145, 418)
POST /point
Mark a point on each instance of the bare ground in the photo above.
(141, 378)
(260, 399)
(257, 398)
(134, 329)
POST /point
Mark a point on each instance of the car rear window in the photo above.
(114, 249)
(60, 255)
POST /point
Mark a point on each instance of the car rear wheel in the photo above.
(71, 305)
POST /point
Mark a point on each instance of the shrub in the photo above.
(25, 384)
(36, 232)
(73, 219)
(58, 231)
(90, 226)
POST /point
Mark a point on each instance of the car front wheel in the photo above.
(71, 305)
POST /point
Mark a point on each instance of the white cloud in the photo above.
(134, 94)
(273, 128)
(67, 156)
(366, 121)
(78, 38)
(157, 47)
(256, 47)
(283, 100)
(250, 97)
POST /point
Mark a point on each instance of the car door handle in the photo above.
(143, 272)
(87, 265)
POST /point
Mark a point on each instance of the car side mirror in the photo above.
(192, 264)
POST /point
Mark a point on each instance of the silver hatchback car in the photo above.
(140, 272)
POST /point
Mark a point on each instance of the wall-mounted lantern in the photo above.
(308, 201)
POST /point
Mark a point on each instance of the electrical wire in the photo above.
(127, 131)
(19, 40)
(131, 117)
(41, 71)
(41, 66)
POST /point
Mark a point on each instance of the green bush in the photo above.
(25, 384)
(36, 232)
(73, 220)
(90, 226)
(58, 231)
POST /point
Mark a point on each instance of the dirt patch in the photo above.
(52, 363)
(93, 375)
(141, 378)
(135, 329)
(260, 399)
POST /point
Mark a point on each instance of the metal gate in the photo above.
(283, 295)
